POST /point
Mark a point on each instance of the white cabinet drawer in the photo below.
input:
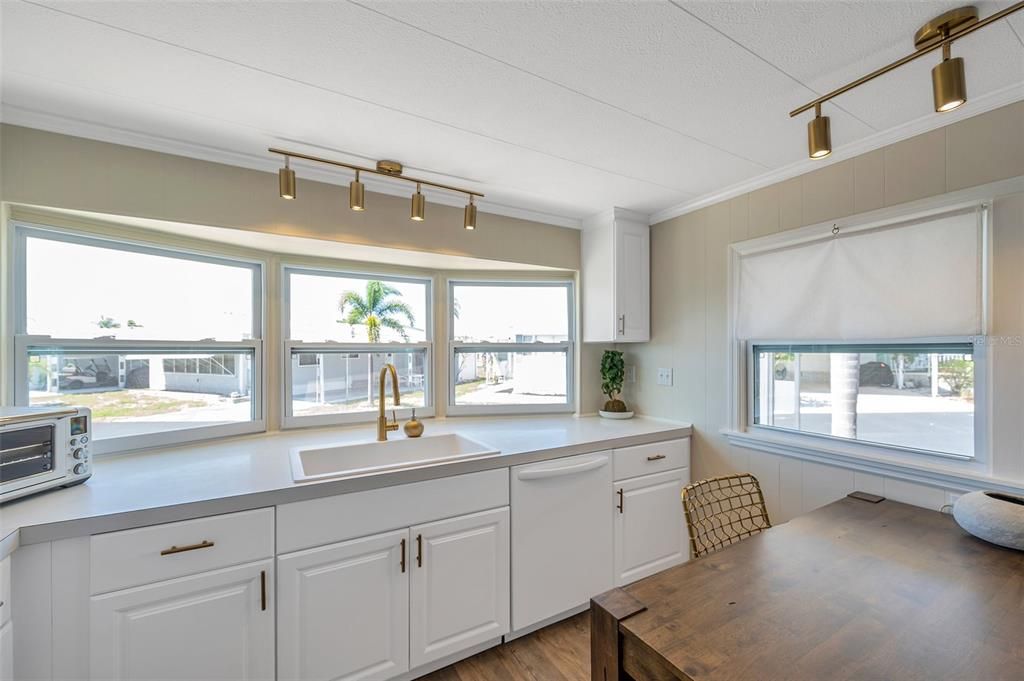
(5, 590)
(653, 458)
(152, 554)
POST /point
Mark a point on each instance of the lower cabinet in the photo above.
(213, 625)
(344, 610)
(460, 584)
(375, 607)
(7, 652)
(650, 528)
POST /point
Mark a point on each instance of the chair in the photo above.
(722, 511)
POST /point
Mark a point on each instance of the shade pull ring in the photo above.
(835, 230)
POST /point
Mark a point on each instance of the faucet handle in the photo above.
(393, 425)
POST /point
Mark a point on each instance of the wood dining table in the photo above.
(852, 590)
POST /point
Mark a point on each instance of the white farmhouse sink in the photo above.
(359, 458)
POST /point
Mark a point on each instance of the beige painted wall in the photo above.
(58, 171)
(689, 311)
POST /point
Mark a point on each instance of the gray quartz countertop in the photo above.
(169, 484)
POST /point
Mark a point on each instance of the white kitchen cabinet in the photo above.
(650, 528)
(7, 652)
(615, 249)
(459, 595)
(213, 625)
(561, 536)
(344, 610)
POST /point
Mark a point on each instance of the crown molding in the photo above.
(974, 107)
(75, 127)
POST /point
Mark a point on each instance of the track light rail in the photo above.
(362, 169)
(966, 30)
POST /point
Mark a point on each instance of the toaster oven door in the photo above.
(27, 456)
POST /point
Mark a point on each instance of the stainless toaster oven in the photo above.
(42, 448)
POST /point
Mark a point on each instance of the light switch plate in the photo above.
(665, 376)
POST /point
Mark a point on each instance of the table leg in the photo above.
(606, 611)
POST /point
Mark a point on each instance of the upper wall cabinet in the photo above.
(616, 260)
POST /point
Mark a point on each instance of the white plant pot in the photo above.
(618, 415)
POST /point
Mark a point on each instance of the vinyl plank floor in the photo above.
(560, 652)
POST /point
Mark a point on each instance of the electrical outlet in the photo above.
(665, 376)
(631, 373)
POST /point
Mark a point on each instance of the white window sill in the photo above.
(967, 475)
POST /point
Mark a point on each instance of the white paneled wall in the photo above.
(792, 486)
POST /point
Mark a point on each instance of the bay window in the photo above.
(511, 347)
(341, 328)
(162, 345)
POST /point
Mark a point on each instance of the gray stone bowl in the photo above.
(992, 516)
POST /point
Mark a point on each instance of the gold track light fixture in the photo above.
(357, 191)
(469, 219)
(949, 83)
(286, 180)
(419, 204)
(357, 194)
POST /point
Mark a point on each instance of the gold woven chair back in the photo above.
(722, 511)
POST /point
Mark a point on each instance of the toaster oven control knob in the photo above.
(73, 442)
(85, 439)
(79, 468)
(77, 453)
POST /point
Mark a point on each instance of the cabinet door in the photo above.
(459, 594)
(7, 652)
(632, 282)
(650, 528)
(344, 610)
(214, 625)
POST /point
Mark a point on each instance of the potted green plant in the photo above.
(613, 374)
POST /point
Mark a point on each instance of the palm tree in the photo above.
(381, 307)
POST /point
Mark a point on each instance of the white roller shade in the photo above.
(910, 280)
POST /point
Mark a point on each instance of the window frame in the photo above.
(909, 454)
(23, 342)
(290, 346)
(568, 347)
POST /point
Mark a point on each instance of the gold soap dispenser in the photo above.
(413, 427)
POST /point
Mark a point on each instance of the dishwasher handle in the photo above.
(571, 469)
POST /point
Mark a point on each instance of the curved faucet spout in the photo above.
(383, 425)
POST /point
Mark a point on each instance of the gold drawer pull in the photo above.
(656, 457)
(191, 547)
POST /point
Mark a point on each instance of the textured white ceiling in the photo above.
(563, 108)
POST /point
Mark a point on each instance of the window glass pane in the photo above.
(337, 382)
(495, 378)
(511, 314)
(348, 309)
(136, 393)
(915, 396)
(132, 295)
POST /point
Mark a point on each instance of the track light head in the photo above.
(419, 204)
(357, 194)
(819, 135)
(949, 85)
(469, 219)
(286, 181)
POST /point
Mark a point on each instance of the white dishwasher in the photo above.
(562, 519)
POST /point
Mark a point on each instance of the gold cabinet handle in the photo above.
(263, 589)
(419, 550)
(191, 547)
(622, 500)
(402, 560)
(656, 457)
